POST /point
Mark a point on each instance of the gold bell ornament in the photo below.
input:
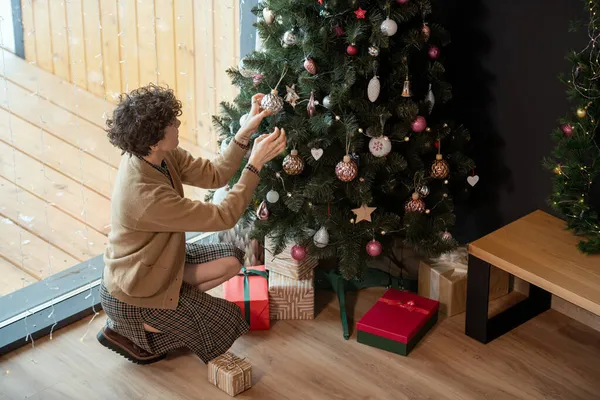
(406, 91)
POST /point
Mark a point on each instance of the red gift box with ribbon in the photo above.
(398, 321)
(250, 291)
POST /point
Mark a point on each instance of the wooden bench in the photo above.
(537, 249)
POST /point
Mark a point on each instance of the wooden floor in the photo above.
(550, 357)
(56, 173)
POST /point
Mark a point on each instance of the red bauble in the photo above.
(434, 52)
(419, 124)
(339, 31)
(436, 144)
(374, 248)
(298, 252)
(567, 130)
(352, 50)
(310, 66)
(402, 1)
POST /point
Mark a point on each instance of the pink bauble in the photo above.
(567, 130)
(402, 1)
(257, 79)
(374, 248)
(419, 124)
(352, 50)
(298, 252)
(339, 31)
(310, 66)
(434, 52)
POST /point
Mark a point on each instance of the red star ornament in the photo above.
(360, 13)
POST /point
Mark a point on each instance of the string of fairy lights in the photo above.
(589, 91)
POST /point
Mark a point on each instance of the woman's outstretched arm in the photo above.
(214, 174)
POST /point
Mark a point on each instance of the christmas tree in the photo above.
(575, 159)
(359, 88)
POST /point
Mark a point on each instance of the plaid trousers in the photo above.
(206, 325)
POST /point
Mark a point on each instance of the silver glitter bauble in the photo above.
(290, 38)
(321, 238)
(373, 51)
(273, 102)
(423, 191)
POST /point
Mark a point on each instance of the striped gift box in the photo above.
(291, 298)
(230, 373)
(284, 264)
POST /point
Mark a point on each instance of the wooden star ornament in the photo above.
(363, 213)
(360, 13)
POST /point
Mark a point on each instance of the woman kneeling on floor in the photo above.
(154, 284)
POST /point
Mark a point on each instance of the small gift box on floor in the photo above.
(250, 291)
(292, 298)
(230, 373)
(445, 279)
(398, 321)
(284, 264)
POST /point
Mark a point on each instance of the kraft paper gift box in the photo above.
(230, 373)
(285, 265)
(445, 279)
(250, 291)
(291, 298)
(398, 321)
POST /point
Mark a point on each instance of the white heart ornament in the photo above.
(473, 180)
(316, 153)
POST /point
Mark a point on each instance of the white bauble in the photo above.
(220, 194)
(243, 119)
(389, 27)
(373, 89)
(326, 102)
(268, 15)
(380, 146)
(272, 196)
(321, 238)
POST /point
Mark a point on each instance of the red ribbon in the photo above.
(409, 305)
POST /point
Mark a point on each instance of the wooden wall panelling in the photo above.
(93, 47)
(165, 42)
(28, 30)
(146, 42)
(185, 67)
(110, 48)
(205, 72)
(43, 34)
(76, 42)
(59, 38)
(129, 45)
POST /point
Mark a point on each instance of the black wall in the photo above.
(503, 62)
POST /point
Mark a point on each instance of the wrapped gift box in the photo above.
(230, 373)
(250, 291)
(285, 265)
(398, 321)
(291, 298)
(445, 279)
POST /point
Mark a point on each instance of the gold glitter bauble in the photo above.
(415, 204)
(440, 168)
(293, 164)
(346, 170)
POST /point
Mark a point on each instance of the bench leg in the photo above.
(484, 329)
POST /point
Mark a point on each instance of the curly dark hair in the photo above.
(141, 117)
